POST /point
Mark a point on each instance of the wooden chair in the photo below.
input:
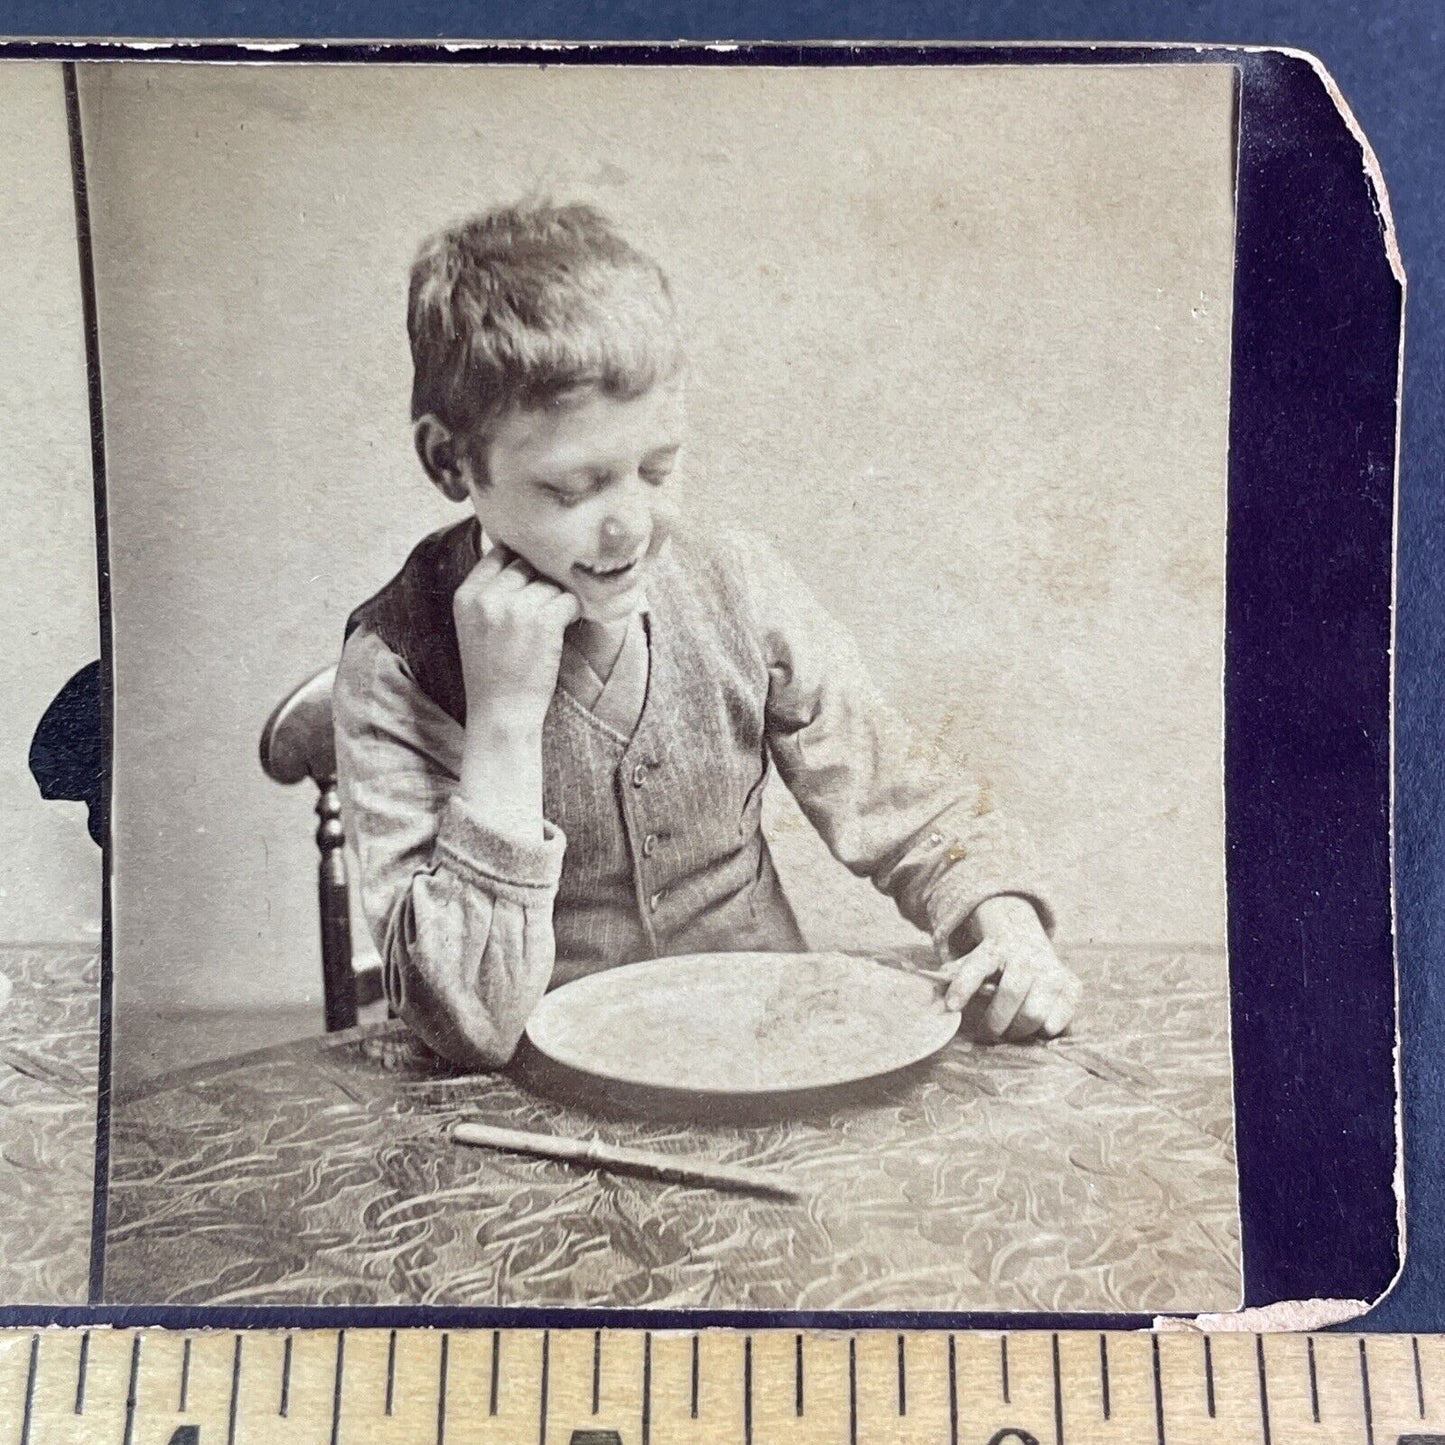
(297, 742)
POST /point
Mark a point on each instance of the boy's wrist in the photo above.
(499, 727)
(1007, 916)
(501, 774)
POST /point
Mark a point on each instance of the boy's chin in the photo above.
(612, 609)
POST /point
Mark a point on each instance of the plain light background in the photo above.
(960, 344)
(50, 887)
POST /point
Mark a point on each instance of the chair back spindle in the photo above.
(338, 975)
(297, 742)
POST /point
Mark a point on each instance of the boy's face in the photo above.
(580, 489)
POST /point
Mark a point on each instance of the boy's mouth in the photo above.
(610, 572)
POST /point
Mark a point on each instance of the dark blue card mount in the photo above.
(1318, 298)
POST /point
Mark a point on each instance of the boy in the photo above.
(555, 724)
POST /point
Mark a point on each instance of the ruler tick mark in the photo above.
(1209, 1377)
(80, 1373)
(1003, 1366)
(1158, 1393)
(1365, 1395)
(647, 1385)
(596, 1371)
(390, 1372)
(1104, 1373)
(797, 1375)
(30, 1390)
(130, 1391)
(1419, 1376)
(952, 1393)
(235, 1391)
(902, 1378)
(442, 1390)
(748, 1390)
(185, 1376)
(1314, 1379)
(852, 1390)
(546, 1365)
(284, 1408)
(336, 1389)
(694, 1377)
(1058, 1397)
(1263, 1388)
(496, 1371)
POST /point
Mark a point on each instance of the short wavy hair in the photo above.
(520, 305)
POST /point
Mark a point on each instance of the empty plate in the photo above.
(743, 1023)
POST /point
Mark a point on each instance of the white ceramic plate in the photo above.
(743, 1023)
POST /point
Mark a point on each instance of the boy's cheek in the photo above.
(666, 513)
(662, 524)
(539, 558)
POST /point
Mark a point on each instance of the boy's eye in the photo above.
(568, 497)
(656, 476)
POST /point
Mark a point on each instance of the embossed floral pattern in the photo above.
(49, 1031)
(1094, 1173)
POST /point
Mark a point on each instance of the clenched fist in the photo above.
(510, 622)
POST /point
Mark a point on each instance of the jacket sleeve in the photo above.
(888, 803)
(461, 914)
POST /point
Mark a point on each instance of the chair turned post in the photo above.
(297, 742)
(338, 975)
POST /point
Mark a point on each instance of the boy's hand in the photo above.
(1035, 993)
(510, 622)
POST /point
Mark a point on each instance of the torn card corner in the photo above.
(1291, 1316)
(1379, 194)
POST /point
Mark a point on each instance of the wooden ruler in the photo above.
(716, 1387)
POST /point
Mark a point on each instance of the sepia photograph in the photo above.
(52, 883)
(668, 648)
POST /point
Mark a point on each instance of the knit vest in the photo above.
(665, 849)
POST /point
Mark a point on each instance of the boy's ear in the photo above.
(437, 449)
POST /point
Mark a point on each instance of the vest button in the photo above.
(649, 845)
(656, 899)
(639, 775)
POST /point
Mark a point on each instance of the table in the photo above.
(49, 1042)
(1092, 1173)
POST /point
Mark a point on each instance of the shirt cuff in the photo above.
(496, 862)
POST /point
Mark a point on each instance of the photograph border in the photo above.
(1315, 358)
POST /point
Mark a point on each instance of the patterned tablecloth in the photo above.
(1093, 1173)
(49, 1031)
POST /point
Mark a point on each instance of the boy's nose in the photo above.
(621, 538)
